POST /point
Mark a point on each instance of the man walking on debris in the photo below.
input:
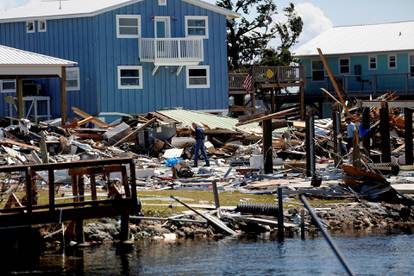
(350, 129)
(200, 137)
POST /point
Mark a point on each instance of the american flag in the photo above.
(248, 81)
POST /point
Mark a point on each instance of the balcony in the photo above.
(171, 51)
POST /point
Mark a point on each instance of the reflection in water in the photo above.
(384, 255)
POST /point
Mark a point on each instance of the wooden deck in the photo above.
(117, 204)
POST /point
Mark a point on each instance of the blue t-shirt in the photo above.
(350, 128)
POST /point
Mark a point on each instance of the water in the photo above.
(380, 255)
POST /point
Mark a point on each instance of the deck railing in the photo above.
(402, 83)
(268, 75)
(171, 51)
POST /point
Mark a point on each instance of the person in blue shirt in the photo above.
(199, 145)
(350, 128)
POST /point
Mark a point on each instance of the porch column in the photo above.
(63, 97)
(20, 102)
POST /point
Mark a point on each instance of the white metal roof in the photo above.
(17, 57)
(386, 37)
(83, 8)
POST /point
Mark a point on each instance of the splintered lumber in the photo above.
(135, 132)
(338, 90)
(87, 116)
(217, 222)
(19, 144)
(276, 115)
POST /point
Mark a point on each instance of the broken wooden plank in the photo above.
(94, 120)
(216, 221)
(19, 144)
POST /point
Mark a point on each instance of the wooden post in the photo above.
(93, 187)
(20, 102)
(63, 97)
(366, 125)
(310, 145)
(51, 176)
(133, 186)
(280, 224)
(385, 133)
(302, 224)
(29, 191)
(80, 237)
(124, 235)
(336, 125)
(408, 115)
(273, 107)
(302, 103)
(267, 146)
(216, 195)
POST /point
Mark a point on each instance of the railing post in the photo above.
(29, 191)
(280, 218)
(51, 176)
(179, 49)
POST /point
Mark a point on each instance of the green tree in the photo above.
(249, 35)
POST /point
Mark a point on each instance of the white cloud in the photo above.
(7, 4)
(314, 21)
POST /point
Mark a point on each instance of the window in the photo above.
(372, 63)
(392, 61)
(196, 26)
(411, 63)
(72, 79)
(318, 73)
(30, 27)
(42, 26)
(8, 86)
(344, 65)
(162, 2)
(128, 26)
(198, 76)
(130, 77)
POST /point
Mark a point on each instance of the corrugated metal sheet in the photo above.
(386, 37)
(13, 56)
(187, 117)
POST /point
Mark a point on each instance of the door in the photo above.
(162, 26)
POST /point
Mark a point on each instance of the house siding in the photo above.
(380, 79)
(92, 42)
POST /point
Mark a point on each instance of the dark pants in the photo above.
(200, 146)
(349, 143)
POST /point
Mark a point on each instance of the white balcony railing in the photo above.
(171, 51)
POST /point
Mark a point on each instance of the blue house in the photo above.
(133, 56)
(367, 60)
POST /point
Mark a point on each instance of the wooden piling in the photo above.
(267, 146)
(366, 125)
(310, 145)
(408, 115)
(385, 133)
(302, 224)
(216, 195)
(124, 235)
(280, 224)
(51, 177)
(336, 121)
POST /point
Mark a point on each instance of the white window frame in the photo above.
(187, 78)
(38, 26)
(130, 67)
(167, 21)
(369, 63)
(7, 90)
(194, 17)
(410, 65)
(339, 65)
(27, 26)
(388, 60)
(129, 16)
(162, 2)
(323, 69)
(73, 69)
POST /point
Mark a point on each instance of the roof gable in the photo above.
(82, 8)
(387, 37)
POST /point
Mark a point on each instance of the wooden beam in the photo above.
(63, 98)
(20, 102)
(270, 116)
(85, 115)
(338, 90)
